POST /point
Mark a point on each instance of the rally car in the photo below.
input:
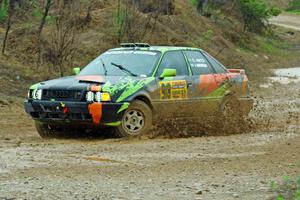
(135, 86)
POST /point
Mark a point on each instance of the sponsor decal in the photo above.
(133, 86)
(176, 89)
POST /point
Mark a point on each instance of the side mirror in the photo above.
(76, 70)
(168, 73)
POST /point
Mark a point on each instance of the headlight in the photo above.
(29, 94)
(90, 96)
(98, 96)
(39, 94)
(34, 94)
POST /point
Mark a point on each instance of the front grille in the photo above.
(62, 95)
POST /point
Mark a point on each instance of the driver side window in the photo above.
(173, 60)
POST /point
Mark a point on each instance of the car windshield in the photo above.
(123, 63)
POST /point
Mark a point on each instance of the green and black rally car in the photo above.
(136, 85)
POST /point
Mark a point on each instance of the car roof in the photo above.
(162, 49)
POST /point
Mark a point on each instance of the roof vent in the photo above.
(145, 45)
(128, 45)
(134, 45)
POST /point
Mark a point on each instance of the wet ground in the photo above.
(227, 167)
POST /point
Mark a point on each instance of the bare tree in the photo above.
(8, 24)
(62, 45)
(48, 5)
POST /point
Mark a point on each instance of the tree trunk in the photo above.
(43, 21)
(8, 25)
(41, 27)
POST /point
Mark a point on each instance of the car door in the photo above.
(172, 99)
(204, 84)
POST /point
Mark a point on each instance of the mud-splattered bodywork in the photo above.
(64, 100)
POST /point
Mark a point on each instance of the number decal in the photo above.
(173, 89)
(165, 90)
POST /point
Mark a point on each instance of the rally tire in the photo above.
(136, 121)
(232, 118)
(46, 130)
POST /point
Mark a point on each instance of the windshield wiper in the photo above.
(104, 67)
(124, 69)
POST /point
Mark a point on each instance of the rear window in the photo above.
(219, 68)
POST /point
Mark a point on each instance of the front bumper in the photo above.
(72, 112)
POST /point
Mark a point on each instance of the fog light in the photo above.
(90, 96)
(105, 97)
(98, 96)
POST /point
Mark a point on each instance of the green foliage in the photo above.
(294, 5)
(255, 14)
(37, 13)
(208, 35)
(3, 10)
(288, 189)
(280, 198)
(275, 11)
(194, 2)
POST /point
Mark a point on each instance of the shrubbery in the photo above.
(255, 14)
(287, 189)
(3, 10)
(294, 5)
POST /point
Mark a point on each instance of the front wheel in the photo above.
(136, 121)
(46, 130)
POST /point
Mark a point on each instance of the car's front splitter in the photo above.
(102, 113)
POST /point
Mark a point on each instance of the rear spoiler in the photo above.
(237, 71)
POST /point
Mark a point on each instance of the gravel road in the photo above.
(227, 167)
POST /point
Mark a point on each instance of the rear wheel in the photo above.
(136, 121)
(233, 120)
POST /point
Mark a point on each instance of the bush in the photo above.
(288, 189)
(294, 5)
(255, 14)
(3, 10)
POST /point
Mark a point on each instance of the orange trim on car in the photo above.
(93, 78)
(207, 84)
(95, 109)
(96, 88)
(245, 85)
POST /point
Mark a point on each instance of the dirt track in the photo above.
(231, 167)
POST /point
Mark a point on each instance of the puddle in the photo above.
(283, 76)
(288, 72)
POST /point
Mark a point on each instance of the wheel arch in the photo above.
(142, 96)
